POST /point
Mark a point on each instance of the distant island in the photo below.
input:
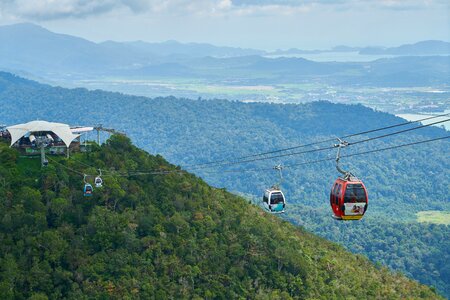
(420, 48)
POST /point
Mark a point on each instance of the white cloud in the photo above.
(60, 9)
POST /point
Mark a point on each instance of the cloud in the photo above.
(60, 9)
(340, 4)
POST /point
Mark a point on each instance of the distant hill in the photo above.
(30, 49)
(174, 48)
(296, 51)
(162, 237)
(191, 131)
(420, 48)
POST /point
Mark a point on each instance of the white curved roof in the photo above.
(61, 130)
(80, 129)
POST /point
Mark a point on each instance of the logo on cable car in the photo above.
(354, 208)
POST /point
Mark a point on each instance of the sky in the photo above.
(262, 24)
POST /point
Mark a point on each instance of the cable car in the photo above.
(348, 196)
(348, 199)
(98, 182)
(88, 190)
(274, 200)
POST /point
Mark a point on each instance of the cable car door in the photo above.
(277, 202)
(355, 200)
(266, 201)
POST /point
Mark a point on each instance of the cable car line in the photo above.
(293, 166)
(368, 152)
(398, 132)
(156, 172)
(226, 163)
(237, 161)
(68, 168)
(322, 141)
(348, 196)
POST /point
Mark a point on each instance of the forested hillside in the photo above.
(421, 251)
(161, 236)
(190, 132)
(401, 182)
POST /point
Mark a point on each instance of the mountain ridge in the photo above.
(166, 236)
(226, 130)
(58, 57)
(429, 47)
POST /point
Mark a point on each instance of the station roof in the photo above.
(61, 130)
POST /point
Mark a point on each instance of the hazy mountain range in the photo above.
(14, 36)
(32, 49)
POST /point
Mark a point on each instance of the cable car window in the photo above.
(265, 199)
(355, 193)
(335, 192)
(276, 198)
(332, 194)
(338, 193)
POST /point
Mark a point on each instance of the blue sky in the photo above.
(266, 24)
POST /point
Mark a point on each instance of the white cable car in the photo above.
(274, 200)
(98, 180)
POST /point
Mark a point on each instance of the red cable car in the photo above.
(348, 198)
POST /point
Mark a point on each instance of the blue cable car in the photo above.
(88, 189)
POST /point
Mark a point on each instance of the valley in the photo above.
(398, 100)
(190, 132)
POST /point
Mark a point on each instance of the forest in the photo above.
(188, 132)
(161, 236)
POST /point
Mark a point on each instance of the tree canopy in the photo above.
(161, 236)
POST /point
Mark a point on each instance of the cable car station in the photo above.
(42, 137)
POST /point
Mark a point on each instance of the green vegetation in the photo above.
(434, 217)
(163, 236)
(417, 250)
(400, 183)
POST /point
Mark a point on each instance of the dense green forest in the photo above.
(161, 236)
(400, 183)
(418, 250)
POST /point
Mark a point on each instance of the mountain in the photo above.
(30, 49)
(190, 132)
(161, 236)
(33, 48)
(192, 49)
(420, 48)
(296, 51)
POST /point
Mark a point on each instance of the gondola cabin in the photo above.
(274, 201)
(348, 199)
(88, 190)
(98, 182)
